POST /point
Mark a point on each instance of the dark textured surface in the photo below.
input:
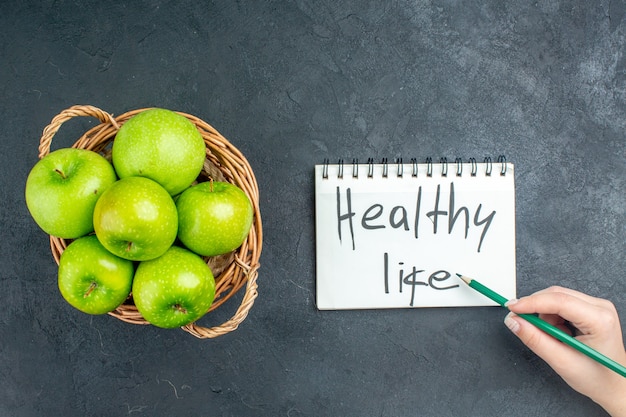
(290, 83)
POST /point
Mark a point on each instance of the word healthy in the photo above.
(377, 216)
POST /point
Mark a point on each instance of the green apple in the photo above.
(136, 219)
(174, 289)
(62, 189)
(162, 145)
(213, 217)
(92, 279)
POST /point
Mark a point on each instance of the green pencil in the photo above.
(549, 329)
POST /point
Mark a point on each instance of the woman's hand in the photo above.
(593, 321)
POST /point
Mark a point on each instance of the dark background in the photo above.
(290, 83)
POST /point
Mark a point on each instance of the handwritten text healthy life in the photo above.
(427, 216)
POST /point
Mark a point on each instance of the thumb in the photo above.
(545, 346)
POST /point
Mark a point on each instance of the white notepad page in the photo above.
(395, 235)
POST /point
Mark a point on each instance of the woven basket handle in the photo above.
(74, 111)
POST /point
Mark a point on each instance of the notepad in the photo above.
(394, 235)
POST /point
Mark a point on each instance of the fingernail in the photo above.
(511, 302)
(511, 323)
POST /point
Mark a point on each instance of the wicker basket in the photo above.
(223, 162)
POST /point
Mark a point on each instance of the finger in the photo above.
(553, 319)
(570, 307)
(600, 302)
(559, 322)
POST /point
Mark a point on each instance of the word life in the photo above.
(377, 216)
(414, 278)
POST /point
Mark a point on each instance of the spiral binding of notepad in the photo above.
(458, 164)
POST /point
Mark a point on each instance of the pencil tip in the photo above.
(459, 275)
(465, 279)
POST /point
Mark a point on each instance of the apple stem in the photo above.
(211, 181)
(90, 289)
(180, 308)
(129, 246)
(58, 171)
